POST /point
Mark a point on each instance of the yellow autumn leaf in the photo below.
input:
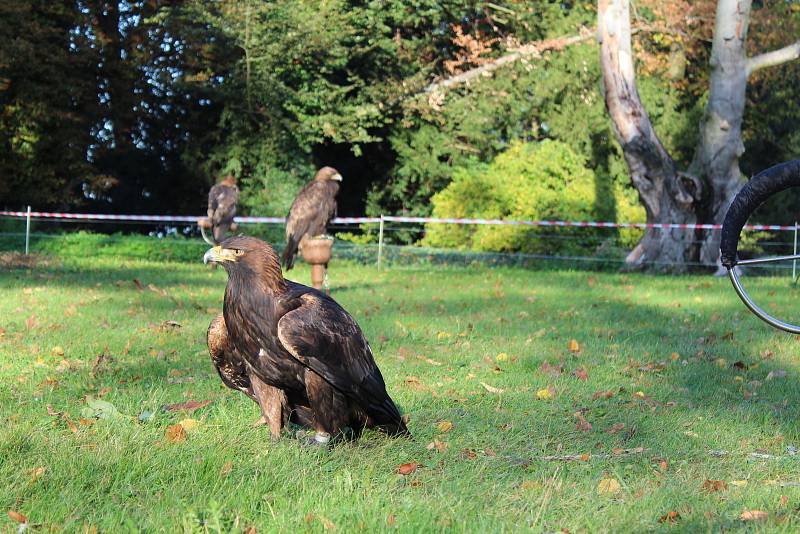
(573, 346)
(674, 356)
(754, 515)
(722, 363)
(501, 357)
(608, 486)
(189, 425)
(739, 483)
(444, 426)
(544, 394)
(57, 351)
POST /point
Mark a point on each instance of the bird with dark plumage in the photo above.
(311, 212)
(222, 200)
(301, 341)
(235, 372)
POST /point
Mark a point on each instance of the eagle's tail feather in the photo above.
(387, 418)
(287, 259)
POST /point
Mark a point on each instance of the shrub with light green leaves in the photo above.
(529, 181)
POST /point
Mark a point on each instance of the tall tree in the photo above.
(703, 193)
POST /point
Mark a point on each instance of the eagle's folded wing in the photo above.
(327, 340)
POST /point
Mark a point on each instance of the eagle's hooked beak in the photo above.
(220, 255)
(337, 177)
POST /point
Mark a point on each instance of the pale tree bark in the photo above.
(666, 196)
(720, 145)
(715, 166)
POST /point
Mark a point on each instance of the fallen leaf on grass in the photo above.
(444, 426)
(16, 516)
(155, 289)
(100, 409)
(501, 357)
(36, 474)
(226, 468)
(573, 346)
(440, 446)
(188, 406)
(582, 425)
(189, 425)
(491, 389)
(616, 428)
(739, 483)
(175, 433)
(669, 517)
(552, 370)
(784, 501)
(602, 395)
(753, 515)
(608, 486)
(581, 374)
(390, 520)
(712, 486)
(71, 425)
(546, 393)
(777, 373)
(407, 469)
(138, 284)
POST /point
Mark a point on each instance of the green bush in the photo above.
(529, 181)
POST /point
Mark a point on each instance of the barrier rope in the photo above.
(387, 218)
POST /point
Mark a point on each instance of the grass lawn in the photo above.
(649, 401)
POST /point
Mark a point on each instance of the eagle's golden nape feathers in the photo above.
(302, 342)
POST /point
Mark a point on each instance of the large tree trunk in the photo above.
(664, 194)
(716, 159)
(670, 196)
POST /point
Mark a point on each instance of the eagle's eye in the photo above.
(238, 252)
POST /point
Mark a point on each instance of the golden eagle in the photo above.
(312, 210)
(301, 341)
(222, 200)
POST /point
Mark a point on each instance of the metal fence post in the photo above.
(794, 262)
(380, 241)
(27, 230)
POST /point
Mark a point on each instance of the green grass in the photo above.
(438, 333)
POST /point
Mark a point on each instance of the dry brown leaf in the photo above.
(327, 523)
(440, 446)
(188, 406)
(16, 516)
(444, 426)
(581, 374)
(616, 428)
(36, 474)
(139, 285)
(582, 425)
(713, 486)
(669, 517)
(390, 520)
(753, 515)
(407, 469)
(175, 434)
(492, 389)
(784, 501)
(251, 530)
(71, 425)
(226, 468)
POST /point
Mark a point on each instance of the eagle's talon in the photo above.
(260, 422)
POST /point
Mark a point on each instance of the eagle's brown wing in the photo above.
(326, 339)
(312, 210)
(228, 362)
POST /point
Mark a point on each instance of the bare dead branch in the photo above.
(531, 49)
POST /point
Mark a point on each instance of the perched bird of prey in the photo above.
(301, 341)
(222, 200)
(312, 210)
(276, 410)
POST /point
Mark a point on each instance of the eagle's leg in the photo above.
(329, 406)
(273, 404)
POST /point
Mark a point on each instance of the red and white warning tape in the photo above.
(388, 218)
